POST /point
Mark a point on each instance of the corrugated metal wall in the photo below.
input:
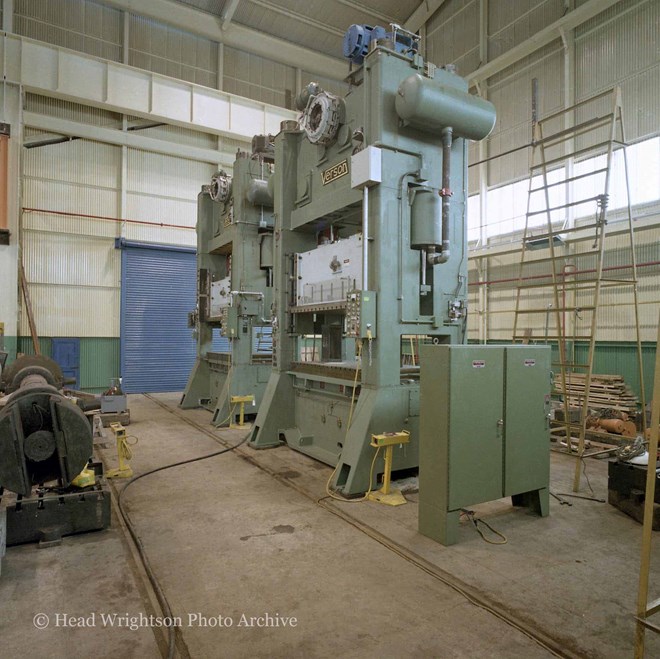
(98, 30)
(617, 47)
(69, 261)
(171, 52)
(256, 77)
(77, 24)
(621, 47)
(72, 266)
(163, 189)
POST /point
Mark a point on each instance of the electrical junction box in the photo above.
(249, 305)
(366, 167)
(484, 431)
(229, 322)
(361, 314)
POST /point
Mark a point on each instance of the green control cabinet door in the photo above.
(526, 429)
(476, 407)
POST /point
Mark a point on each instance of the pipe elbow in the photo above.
(434, 258)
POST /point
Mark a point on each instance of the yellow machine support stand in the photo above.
(124, 453)
(241, 400)
(388, 440)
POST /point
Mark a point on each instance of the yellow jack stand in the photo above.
(124, 453)
(241, 400)
(385, 494)
(86, 478)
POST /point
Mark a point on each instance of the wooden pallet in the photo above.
(606, 391)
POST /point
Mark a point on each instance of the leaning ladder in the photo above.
(645, 609)
(573, 134)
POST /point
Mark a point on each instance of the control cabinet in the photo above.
(484, 431)
(361, 314)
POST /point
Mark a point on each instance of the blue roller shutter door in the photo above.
(158, 290)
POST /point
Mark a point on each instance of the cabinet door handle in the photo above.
(500, 426)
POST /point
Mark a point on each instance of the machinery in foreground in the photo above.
(370, 252)
(45, 447)
(235, 273)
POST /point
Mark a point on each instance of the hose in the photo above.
(160, 595)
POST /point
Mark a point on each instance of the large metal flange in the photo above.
(23, 367)
(322, 117)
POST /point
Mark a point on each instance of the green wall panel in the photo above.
(25, 345)
(99, 362)
(99, 359)
(621, 359)
(616, 359)
(9, 344)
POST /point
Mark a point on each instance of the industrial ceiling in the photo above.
(315, 24)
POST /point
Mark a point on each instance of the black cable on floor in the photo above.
(160, 595)
(476, 599)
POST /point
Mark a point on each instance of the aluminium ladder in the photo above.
(571, 291)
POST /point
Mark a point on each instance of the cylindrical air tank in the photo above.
(259, 193)
(266, 251)
(430, 106)
(425, 218)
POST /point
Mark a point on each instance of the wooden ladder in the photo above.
(570, 290)
(644, 608)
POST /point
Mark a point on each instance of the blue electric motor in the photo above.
(358, 38)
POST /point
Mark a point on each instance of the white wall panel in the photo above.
(80, 311)
(77, 24)
(452, 36)
(256, 77)
(54, 107)
(157, 174)
(621, 47)
(70, 262)
(163, 189)
(64, 260)
(511, 93)
(616, 315)
(69, 162)
(512, 22)
(171, 52)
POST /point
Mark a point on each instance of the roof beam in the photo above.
(228, 13)
(386, 18)
(422, 14)
(542, 38)
(237, 36)
(72, 76)
(270, 6)
(124, 138)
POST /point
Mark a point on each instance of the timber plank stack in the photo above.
(606, 391)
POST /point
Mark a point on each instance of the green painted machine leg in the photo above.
(242, 380)
(275, 413)
(440, 525)
(197, 388)
(222, 408)
(536, 500)
(385, 409)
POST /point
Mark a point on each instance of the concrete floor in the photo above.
(242, 533)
